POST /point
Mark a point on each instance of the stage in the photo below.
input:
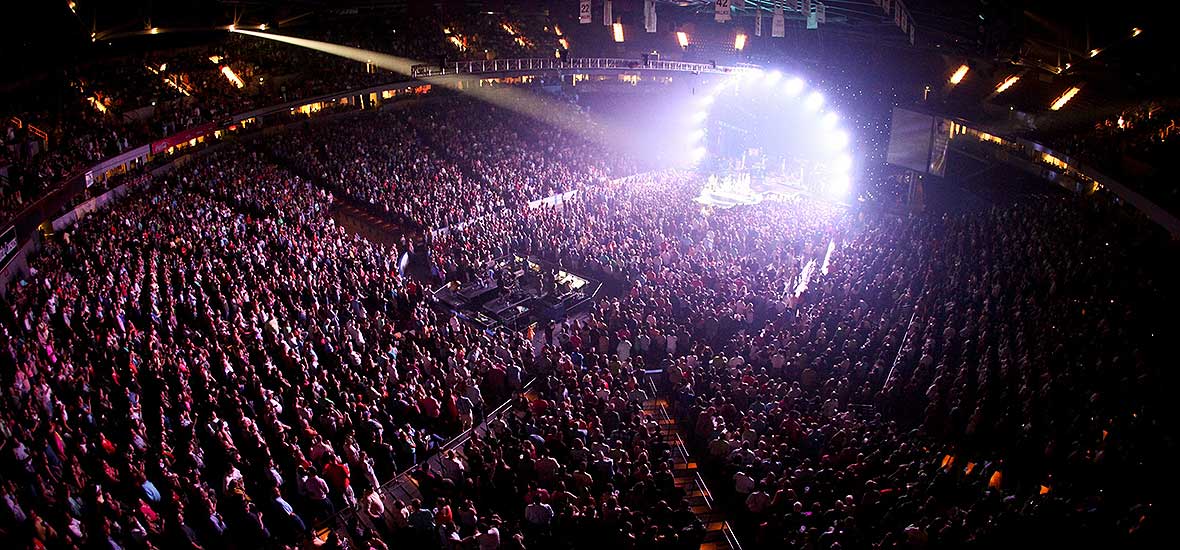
(737, 190)
(516, 291)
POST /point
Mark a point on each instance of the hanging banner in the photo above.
(758, 22)
(584, 15)
(606, 14)
(897, 11)
(887, 5)
(821, 13)
(911, 35)
(649, 15)
(8, 248)
(778, 24)
(721, 12)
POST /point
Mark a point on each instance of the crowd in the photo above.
(436, 163)
(1137, 146)
(1007, 364)
(517, 157)
(215, 362)
(943, 382)
(111, 104)
(477, 36)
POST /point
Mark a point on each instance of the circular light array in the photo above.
(832, 136)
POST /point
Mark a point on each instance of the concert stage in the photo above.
(518, 291)
(738, 189)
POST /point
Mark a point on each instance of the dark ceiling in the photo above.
(45, 34)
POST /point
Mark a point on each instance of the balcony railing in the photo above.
(581, 63)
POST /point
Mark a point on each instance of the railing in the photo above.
(681, 449)
(16, 121)
(580, 63)
(402, 487)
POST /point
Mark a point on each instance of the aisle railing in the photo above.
(402, 488)
(684, 457)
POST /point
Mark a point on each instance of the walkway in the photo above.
(718, 534)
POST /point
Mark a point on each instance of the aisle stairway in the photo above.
(376, 228)
(718, 534)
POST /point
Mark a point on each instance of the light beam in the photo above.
(533, 106)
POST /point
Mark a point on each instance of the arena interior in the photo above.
(575, 274)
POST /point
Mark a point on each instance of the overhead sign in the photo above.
(7, 246)
(721, 13)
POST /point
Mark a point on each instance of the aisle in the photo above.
(718, 534)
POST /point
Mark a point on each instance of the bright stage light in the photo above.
(1068, 95)
(750, 75)
(814, 101)
(839, 186)
(959, 74)
(695, 135)
(1007, 83)
(829, 120)
(838, 139)
(707, 100)
(98, 106)
(843, 164)
(739, 42)
(232, 77)
(794, 86)
(618, 28)
(682, 39)
(699, 117)
(773, 76)
(698, 154)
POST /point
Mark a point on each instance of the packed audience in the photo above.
(215, 362)
(107, 106)
(446, 160)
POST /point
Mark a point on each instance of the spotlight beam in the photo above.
(536, 107)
